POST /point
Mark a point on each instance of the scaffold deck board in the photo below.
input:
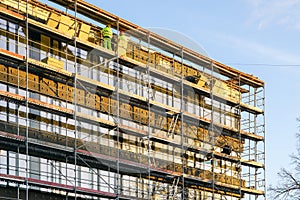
(252, 163)
(64, 187)
(11, 14)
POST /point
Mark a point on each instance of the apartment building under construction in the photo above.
(154, 120)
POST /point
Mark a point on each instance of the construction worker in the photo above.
(122, 45)
(107, 35)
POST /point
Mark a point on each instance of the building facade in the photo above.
(149, 119)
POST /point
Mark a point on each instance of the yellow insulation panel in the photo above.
(84, 31)
(3, 72)
(54, 62)
(45, 43)
(53, 20)
(32, 9)
(66, 25)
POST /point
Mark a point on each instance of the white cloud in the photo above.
(276, 12)
(270, 54)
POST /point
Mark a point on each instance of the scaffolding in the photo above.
(150, 119)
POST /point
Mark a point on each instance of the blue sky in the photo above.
(259, 37)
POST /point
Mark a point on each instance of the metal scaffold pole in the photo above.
(264, 148)
(240, 137)
(212, 131)
(148, 129)
(75, 103)
(255, 144)
(18, 114)
(27, 108)
(182, 108)
(119, 145)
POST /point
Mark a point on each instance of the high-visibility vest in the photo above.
(123, 38)
(107, 32)
(123, 41)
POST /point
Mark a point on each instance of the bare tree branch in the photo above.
(288, 186)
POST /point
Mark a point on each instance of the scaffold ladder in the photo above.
(151, 92)
(148, 85)
(148, 147)
(129, 86)
(175, 188)
(152, 156)
(173, 124)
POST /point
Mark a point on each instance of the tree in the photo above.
(289, 186)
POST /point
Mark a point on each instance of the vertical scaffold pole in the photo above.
(27, 109)
(18, 107)
(212, 127)
(240, 136)
(148, 104)
(181, 124)
(264, 135)
(118, 86)
(75, 102)
(256, 142)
